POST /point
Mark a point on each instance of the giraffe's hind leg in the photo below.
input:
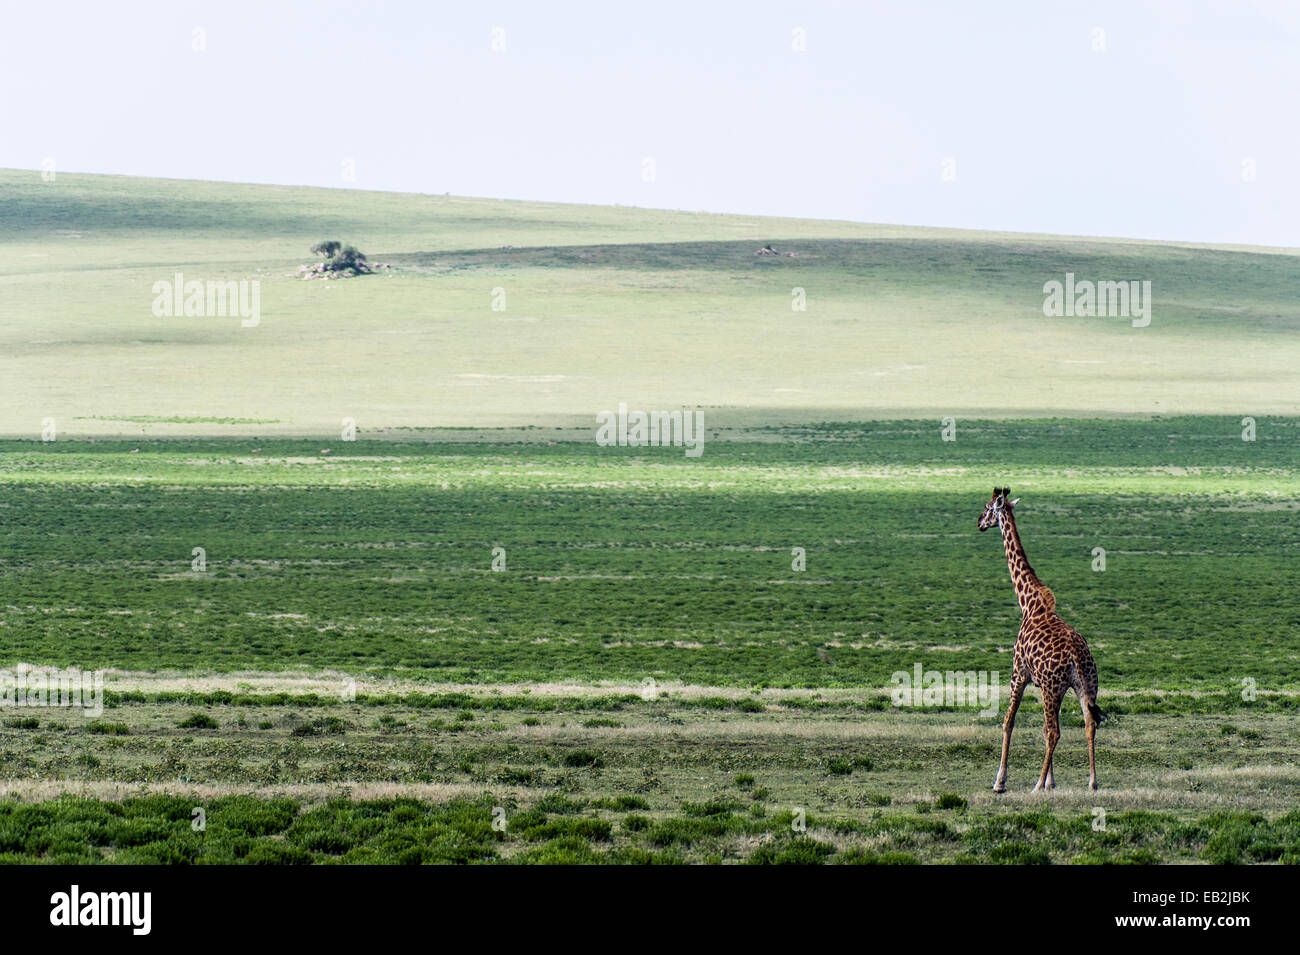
(1090, 729)
(1017, 690)
(1051, 733)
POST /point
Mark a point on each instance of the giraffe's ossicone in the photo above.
(1049, 653)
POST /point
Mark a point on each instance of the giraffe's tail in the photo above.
(1098, 717)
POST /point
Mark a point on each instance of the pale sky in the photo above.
(1183, 127)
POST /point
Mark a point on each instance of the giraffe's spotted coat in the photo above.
(1049, 653)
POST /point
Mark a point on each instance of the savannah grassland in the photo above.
(349, 680)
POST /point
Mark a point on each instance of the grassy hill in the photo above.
(660, 309)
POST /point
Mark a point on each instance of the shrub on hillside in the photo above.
(338, 257)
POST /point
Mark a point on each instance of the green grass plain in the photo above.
(522, 690)
(614, 778)
(623, 564)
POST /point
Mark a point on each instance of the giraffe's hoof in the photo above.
(999, 787)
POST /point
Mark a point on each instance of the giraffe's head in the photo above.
(996, 507)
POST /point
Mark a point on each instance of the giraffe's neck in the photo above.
(1023, 578)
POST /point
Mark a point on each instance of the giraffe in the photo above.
(1049, 652)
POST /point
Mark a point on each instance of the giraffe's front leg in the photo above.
(1017, 689)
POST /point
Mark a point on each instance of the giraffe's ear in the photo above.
(1013, 503)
